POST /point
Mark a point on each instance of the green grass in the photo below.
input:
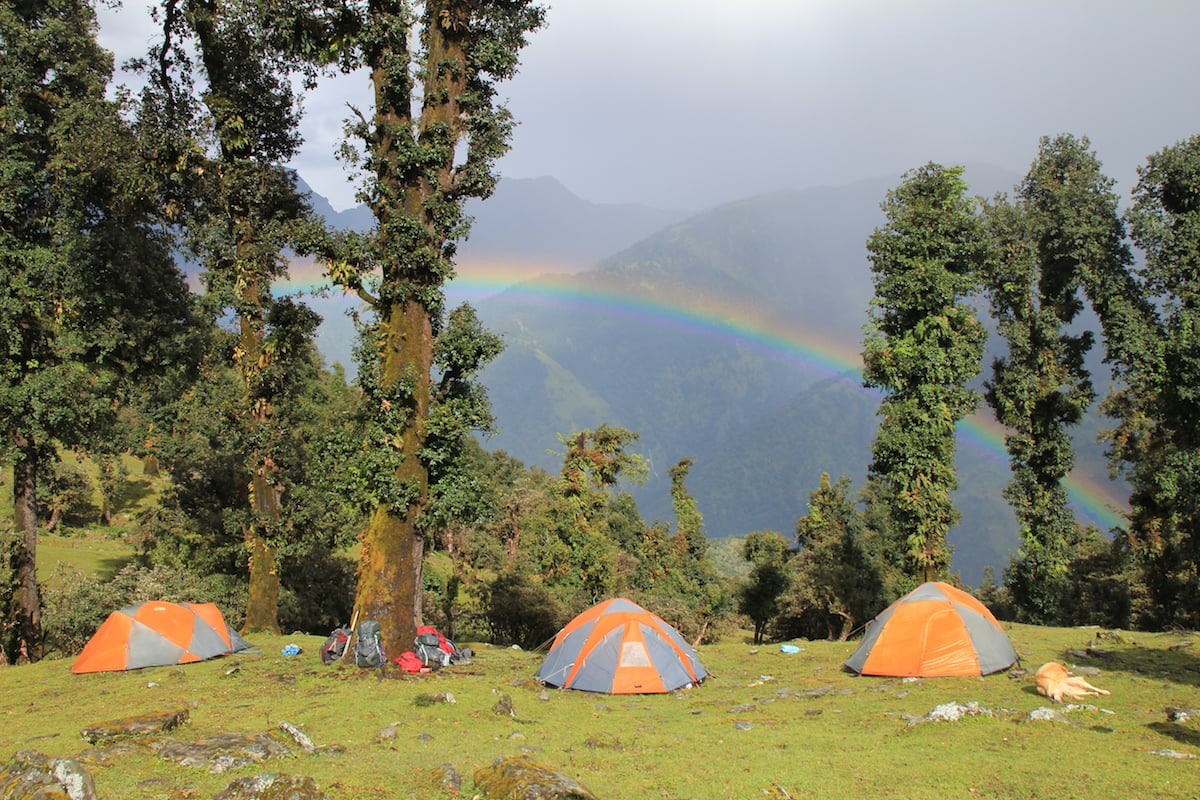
(83, 542)
(91, 556)
(816, 730)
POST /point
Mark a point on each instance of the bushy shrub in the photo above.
(316, 592)
(65, 495)
(521, 611)
(1105, 586)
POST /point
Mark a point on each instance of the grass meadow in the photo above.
(765, 724)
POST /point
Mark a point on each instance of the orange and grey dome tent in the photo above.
(618, 647)
(156, 633)
(933, 631)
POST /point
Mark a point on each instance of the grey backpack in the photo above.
(368, 645)
(429, 650)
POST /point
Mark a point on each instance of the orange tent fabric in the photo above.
(618, 647)
(935, 630)
(153, 634)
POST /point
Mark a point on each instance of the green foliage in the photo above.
(11, 546)
(675, 574)
(199, 524)
(460, 409)
(578, 553)
(317, 590)
(837, 578)
(90, 300)
(521, 611)
(758, 597)
(923, 346)
(1062, 228)
(1151, 335)
(67, 494)
(1105, 586)
(995, 596)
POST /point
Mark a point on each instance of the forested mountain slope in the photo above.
(729, 337)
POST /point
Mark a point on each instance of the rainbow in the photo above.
(1095, 499)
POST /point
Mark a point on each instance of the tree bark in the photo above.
(262, 600)
(391, 566)
(27, 646)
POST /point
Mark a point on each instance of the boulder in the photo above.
(224, 752)
(519, 778)
(269, 786)
(141, 725)
(34, 776)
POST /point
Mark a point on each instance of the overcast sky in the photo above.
(689, 103)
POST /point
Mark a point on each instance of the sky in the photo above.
(686, 104)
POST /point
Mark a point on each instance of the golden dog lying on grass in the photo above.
(1056, 682)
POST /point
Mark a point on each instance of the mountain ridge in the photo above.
(729, 336)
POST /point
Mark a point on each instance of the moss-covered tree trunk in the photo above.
(262, 598)
(428, 147)
(390, 572)
(26, 642)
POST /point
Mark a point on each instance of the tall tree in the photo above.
(758, 597)
(836, 576)
(922, 347)
(689, 545)
(1063, 225)
(89, 295)
(429, 145)
(580, 553)
(241, 208)
(1156, 349)
(688, 581)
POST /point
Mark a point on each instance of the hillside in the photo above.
(730, 337)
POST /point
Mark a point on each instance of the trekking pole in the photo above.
(353, 632)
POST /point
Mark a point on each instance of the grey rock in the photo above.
(1169, 753)
(519, 778)
(952, 712)
(223, 752)
(504, 707)
(141, 725)
(32, 775)
(268, 786)
(1044, 714)
(451, 779)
